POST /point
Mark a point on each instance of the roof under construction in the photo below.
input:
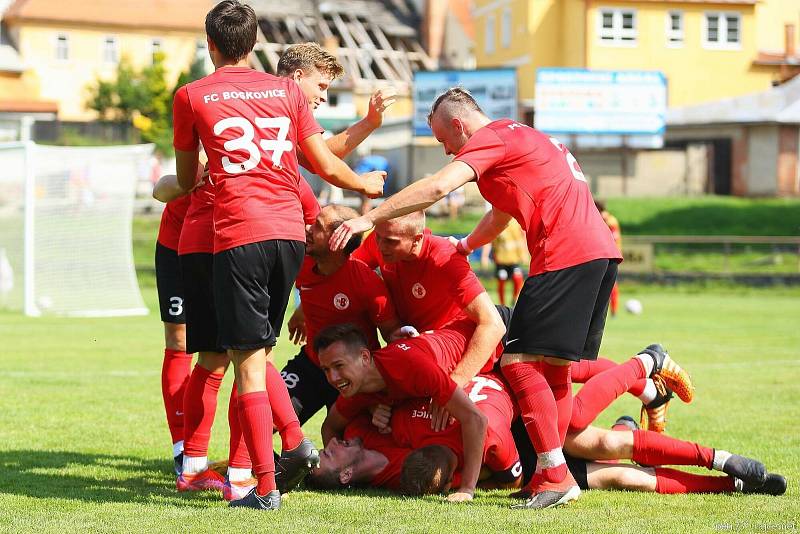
(374, 40)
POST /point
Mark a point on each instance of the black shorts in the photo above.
(201, 318)
(252, 285)
(169, 284)
(562, 313)
(307, 386)
(527, 457)
(506, 271)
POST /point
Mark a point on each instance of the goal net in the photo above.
(65, 229)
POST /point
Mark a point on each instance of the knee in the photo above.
(609, 446)
(175, 336)
(631, 480)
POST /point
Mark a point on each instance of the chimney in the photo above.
(790, 40)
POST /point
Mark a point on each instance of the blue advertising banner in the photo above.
(495, 90)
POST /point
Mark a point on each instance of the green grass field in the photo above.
(85, 446)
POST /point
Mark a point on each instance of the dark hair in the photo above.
(323, 479)
(425, 471)
(455, 95)
(307, 56)
(347, 333)
(232, 26)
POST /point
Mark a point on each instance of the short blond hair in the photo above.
(307, 56)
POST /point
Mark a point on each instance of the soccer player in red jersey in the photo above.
(177, 362)
(560, 314)
(251, 124)
(334, 289)
(433, 286)
(403, 370)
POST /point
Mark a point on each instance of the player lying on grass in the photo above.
(366, 457)
(405, 369)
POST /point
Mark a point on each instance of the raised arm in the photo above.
(415, 197)
(336, 172)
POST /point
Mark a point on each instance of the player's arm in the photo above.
(488, 228)
(345, 142)
(336, 172)
(333, 426)
(489, 330)
(167, 188)
(389, 329)
(473, 434)
(415, 197)
(186, 169)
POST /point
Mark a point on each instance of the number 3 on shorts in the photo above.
(572, 163)
(277, 146)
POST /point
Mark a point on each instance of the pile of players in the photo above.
(463, 391)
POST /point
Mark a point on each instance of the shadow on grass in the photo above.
(93, 478)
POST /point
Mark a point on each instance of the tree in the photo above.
(142, 98)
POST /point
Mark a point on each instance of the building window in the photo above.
(62, 46)
(722, 30)
(505, 30)
(617, 26)
(675, 28)
(490, 24)
(155, 48)
(110, 50)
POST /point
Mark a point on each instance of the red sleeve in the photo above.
(352, 406)
(483, 150)
(464, 283)
(368, 252)
(305, 123)
(184, 135)
(309, 202)
(373, 291)
(409, 369)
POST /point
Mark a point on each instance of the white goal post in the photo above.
(65, 229)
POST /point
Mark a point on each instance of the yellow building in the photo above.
(707, 49)
(64, 46)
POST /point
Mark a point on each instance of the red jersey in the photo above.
(353, 294)
(411, 424)
(430, 291)
(197, 235)
(410, 371)
(250, 124)
(535, 179)
(169, 231)
(389, 477)
(451, 342)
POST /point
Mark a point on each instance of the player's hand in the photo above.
(460, 244)
(372, 183)
(440, 417)
(462, 495)
(382, 417)
(380, 101)
(404, 332)
(346, 230)
(297, 327)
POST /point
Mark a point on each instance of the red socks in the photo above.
(673, 481)
(602, 390)
(238, 457)
(652, 448)
(558, 377)
(583, 370)
(174, 376)
(501, 291)
(255, 417)
(200, 407)
(284, 416)
(538, 409)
